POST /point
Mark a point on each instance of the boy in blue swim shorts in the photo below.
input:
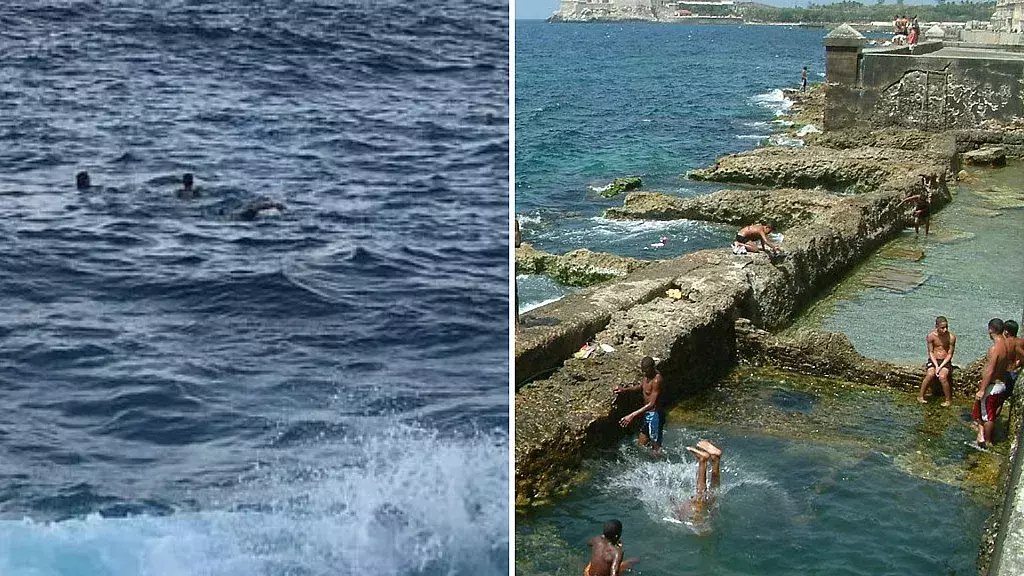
(654, 422)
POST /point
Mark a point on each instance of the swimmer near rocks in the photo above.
(606, 555)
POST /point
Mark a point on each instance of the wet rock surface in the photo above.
(783, 208)
(848, 171)
(577, 268)
(986, 156)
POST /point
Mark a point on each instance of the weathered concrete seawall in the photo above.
(564, 406)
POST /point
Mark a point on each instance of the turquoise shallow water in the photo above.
(594, 102)
(805, 490)
(971, 271)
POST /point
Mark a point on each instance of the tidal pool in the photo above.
(818, 477)
(966, 269)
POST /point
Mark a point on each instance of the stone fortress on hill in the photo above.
(649, 10)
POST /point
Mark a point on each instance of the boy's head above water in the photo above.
(613, 531)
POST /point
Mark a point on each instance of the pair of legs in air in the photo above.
(705, 451)
(695, 508)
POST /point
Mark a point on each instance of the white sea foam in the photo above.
(528, 219)
(526, 307)
(775, 101)
(783, 140)
(419, 504)
(752, 136)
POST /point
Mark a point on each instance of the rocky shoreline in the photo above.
(837, 200)
(564, 405)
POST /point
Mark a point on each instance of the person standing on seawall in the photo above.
(803, 80)
(653, 418)
(940, 344)
(606, 552)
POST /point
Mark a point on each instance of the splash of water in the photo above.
(417, 504)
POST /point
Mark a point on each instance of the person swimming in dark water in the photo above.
(262, 206)
(82, 181)
(187, 190)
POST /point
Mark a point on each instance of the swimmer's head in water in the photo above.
(613, 531)
(647, 366)
(1010, 327)
(941, 323)
(186, 180)
(82, 180)
(995, 326)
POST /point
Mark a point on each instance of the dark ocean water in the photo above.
(321, 391)
(599, 101)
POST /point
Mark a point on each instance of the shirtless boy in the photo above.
(940, 343)
(922, 204)
(653, 418)
(750, 236)
(606, 552)
(992, 390)
(1015, 346)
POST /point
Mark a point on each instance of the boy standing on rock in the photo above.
(1015, 346)
(992, 390)
(940, 344)
(653, 419)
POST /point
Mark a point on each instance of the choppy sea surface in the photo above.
(320, 390)
(599, 101)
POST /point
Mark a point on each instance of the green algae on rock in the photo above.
(620, 185)
(577, 268)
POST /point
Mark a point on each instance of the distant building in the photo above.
(1008, 16)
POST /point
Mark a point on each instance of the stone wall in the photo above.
(922, 88)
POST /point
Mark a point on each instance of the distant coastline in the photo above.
(731, 12)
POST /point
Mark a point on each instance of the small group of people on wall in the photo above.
(1002, 367)
(906, 31)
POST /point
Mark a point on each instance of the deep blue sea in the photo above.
(318, 391)
(599, 101)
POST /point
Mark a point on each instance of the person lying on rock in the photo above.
(606, 552)
(940, 343)
(697, 509)
(653, 418)
(922, 204)
(992, 390)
